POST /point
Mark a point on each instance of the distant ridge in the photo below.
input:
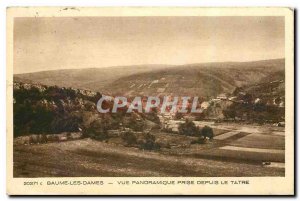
(203, 79)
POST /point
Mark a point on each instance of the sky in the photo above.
(93, 42)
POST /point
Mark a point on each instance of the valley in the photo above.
(242, 106)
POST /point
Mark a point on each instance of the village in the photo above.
(232, 140)
(210, 113)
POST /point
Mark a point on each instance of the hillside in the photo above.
(205, 79)
(91, 78)
(41, 109)
(272, 86)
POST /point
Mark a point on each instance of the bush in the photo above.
(200, 140)
(43, 138)
(68, 123)
(134, 122)
(101, 136)
(178, 115)
(129, 138)
(152, 116)
(229, 113)
(95, 133)
(204, 133)
(207, 132)
(188, 128)
(149, 143)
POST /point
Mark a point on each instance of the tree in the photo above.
(229, 113)
(237, 90)
(96, 130)
(207, 132)
(151, 116)
(247, 98)
(135, 123)
(178, 115)
(199, 116)
(149, 143)
(129, 138)
(188, 128)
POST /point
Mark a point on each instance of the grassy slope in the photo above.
(90, 78)
(208, 79)
(92, 158)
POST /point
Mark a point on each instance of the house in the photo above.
(113, 133)
(222, 96)
(281, 124)
(257, 100)
(160, 90)
(281, 104)
(204, 105)
(232, 98)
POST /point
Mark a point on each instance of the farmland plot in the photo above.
(261, 141)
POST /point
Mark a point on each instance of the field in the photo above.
(239, 154)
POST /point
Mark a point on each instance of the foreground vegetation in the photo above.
(89, 158)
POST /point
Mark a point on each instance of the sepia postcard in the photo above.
(150, 101)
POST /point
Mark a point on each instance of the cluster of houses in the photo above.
(120, 132)
(171, 123)
(275, 101)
